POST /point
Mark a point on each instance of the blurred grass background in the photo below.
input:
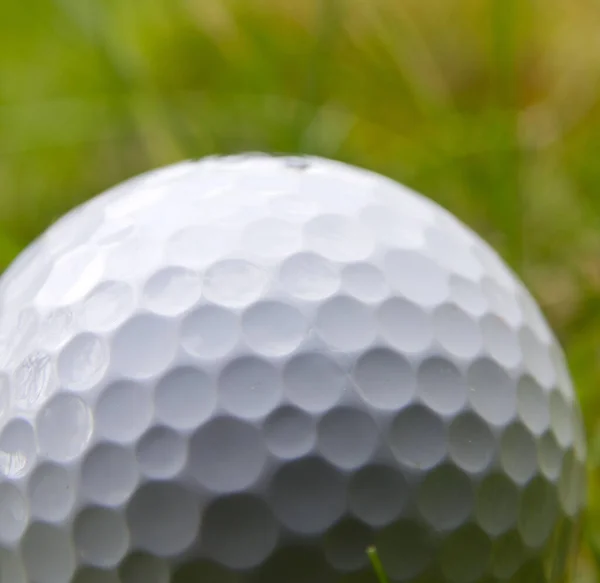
(491, 107)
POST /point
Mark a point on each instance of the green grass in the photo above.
(490, 107)
(377, 566)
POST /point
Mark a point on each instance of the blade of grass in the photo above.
(328, 20)
(377, 566)
(507, 197)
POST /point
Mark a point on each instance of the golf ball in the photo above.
(250, 369)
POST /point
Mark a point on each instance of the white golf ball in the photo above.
(249, 369)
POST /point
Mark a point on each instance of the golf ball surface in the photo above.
(249, 369)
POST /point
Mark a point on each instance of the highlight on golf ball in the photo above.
(252, 368)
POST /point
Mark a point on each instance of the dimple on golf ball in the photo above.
(250, 369)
